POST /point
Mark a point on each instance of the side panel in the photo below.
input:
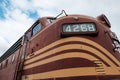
(8, 71)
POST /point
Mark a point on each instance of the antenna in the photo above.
(63, 11)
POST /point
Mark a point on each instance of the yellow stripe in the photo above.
(64, 73)
(59, 57)
(72, 72)
(62, 48)
(74, 46)
(81, 40)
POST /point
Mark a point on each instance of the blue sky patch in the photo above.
(3, 4)
(33, 15)
(2, 13)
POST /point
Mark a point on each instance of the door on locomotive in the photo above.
(25, 47)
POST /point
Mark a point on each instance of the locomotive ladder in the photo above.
(99, 67)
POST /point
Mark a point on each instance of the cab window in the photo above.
(36, 29)
(27, 36)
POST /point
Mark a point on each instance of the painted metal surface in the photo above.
(52, 54)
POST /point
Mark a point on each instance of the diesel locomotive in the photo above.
(70, 47)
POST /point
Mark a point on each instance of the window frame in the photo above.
(35, 26)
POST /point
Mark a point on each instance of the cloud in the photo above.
(4, 44)
(17, 16)
(13, 26)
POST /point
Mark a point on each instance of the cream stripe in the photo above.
(64, 73)
(62, 56)
(74, 46)
(53, 51)
(72, 72)
(64, 40)
(81, 40)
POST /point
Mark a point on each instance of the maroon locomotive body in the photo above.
(72, 47)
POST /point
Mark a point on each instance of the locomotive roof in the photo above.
(12, 49)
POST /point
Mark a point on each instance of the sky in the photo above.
(16, 16)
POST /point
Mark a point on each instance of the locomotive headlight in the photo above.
(79, 28)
